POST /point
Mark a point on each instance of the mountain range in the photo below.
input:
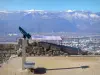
(49, 21)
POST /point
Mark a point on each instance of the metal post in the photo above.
(24, 44)
(78, 46)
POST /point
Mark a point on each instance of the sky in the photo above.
(50, 5)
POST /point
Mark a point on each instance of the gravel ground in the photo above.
(54, 66)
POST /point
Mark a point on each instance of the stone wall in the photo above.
(37, 49)
(6, 50)
(49, 49)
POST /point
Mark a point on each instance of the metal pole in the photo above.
(24, 44)
(78, 46)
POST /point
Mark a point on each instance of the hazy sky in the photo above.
(55, 5)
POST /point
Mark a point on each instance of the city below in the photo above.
(85, 41)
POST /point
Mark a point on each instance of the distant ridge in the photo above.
(48, 21)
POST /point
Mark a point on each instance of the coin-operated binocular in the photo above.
(23, 44)
(25, 34)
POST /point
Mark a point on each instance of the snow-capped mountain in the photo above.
(48, 21)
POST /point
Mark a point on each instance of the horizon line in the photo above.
(67, 10)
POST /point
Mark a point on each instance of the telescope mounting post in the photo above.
(24, 44)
